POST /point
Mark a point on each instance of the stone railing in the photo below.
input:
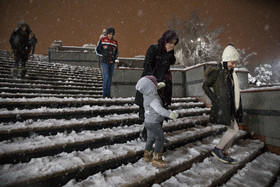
(86, 56)
(82, 56)
(262, 108)
(186, 81)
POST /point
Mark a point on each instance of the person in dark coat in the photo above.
(226, 101)
(157, 62)
(19, 42)
(33, 42)
(107, 49)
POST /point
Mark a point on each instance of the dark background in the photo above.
(250, 24)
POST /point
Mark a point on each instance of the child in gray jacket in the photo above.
(154, 116)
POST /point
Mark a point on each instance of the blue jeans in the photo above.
(155, 136)
(107, 73)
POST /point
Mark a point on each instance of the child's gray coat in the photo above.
(154, 111)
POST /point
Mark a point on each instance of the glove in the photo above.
(161, 85)
(173, 115)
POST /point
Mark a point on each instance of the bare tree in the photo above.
(244, 56)
(197, 44)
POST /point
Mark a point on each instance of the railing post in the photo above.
(184, 94)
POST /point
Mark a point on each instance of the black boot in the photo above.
(14, 72)
(22, 73)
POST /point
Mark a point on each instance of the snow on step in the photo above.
(47, 90)
(185, 105)
(49, 166)
(84, 108)
(49, 82)
(130, 100)
(181, 99)
(192, 110)
(258, 173)
(142, 172)
(65, 100)
(39, 142)
(45, 95)
(30, 125)
(46, 167)
(211, 169)
(49, 86)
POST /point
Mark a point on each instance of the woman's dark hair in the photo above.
(167, 37)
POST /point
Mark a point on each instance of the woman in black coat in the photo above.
(19, 41)
(226, 101)
(157, 62)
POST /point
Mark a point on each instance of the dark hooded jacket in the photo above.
(33, 41)
(222, 97)
(107, 49)
(19, 41)
(157, 62)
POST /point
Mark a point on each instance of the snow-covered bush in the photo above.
(197, 43)
(263, 73)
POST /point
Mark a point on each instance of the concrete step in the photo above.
(50, 91)
(55, 73)
(64, 113)
(53, 67)
(65, 83)
(256, 173)
(23, 150)
(214, 172)
(47, 95)
(51, 102)
(59, 169)
(85, 111)
(142, 173)
(32, 76)
(24, 103)
(47, 86)
(54, 126)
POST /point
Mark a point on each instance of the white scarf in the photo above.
(236, 90)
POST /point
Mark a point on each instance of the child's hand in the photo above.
(173, 115)
(161, 85)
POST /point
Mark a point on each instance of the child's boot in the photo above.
(157, 161)
(148, 156)
(14, 72)
(23, 72)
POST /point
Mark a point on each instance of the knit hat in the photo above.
(153, 79)
(230, 54)
(111, 30)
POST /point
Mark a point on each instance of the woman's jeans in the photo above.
(107, 73)
(155, 135)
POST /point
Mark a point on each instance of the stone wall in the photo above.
(262, 107)
(187, 82)
(86, 56)
(72, 55)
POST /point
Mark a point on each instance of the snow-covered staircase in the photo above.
(56, 130)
